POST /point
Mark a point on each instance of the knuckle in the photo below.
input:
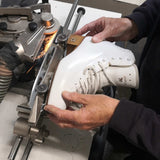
(62, 125)
(59, 116)
(74, 95)
(85, 28)
(103, 18)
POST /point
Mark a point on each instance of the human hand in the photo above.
(97, 110)
(112, 29)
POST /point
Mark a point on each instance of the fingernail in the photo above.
(46, 108)
(95, 39)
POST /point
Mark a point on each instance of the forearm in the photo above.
(141, 126)
(145, 17)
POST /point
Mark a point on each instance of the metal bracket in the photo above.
(25, 11)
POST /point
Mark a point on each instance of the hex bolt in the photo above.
(42, 88)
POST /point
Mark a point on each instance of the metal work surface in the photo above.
(61, 144)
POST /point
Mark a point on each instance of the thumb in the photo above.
(75, 97)
(99, 37)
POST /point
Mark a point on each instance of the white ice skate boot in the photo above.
(92, 66)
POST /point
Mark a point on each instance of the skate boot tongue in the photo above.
(94, 80)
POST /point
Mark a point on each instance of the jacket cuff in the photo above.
(140, 20)
(125, 116)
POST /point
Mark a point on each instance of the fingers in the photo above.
(95, 29)
(82, 31)
(74, 124)
(75, 97)
(97, 110)
(68, 118)
(109, 29)
(87, 28)
(61, 124)
(101, 36)
(61, 115)
(90, 27)
(64, 118)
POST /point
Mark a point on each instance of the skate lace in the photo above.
(94, 80)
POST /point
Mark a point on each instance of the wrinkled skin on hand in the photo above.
(112, 29)
(97, 110)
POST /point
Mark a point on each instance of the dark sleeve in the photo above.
(139, 125)
(145, 16)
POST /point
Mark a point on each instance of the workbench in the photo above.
(62, 144)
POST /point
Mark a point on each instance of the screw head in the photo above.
(42, 88)
(81, 9)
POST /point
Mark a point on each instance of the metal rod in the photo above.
(15, 148)
(27, 150)
(69, 18)
(80, 11)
